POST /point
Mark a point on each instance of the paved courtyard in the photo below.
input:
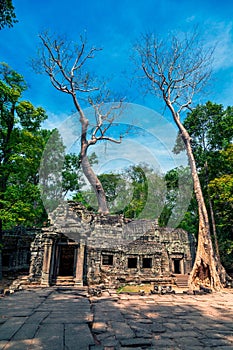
(68, 319)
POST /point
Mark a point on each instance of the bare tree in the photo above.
(175, 69)
(67, 65)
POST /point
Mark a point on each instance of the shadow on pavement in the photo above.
(66, 319)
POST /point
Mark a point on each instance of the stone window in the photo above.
(107, 259)
(147, 263)
(132, 263)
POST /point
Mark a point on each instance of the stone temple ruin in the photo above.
(82, 248)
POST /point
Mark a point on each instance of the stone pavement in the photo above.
(68, 319)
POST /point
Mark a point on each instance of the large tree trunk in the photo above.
(204, 271)
(86, 166)
(211, 212)
(220, 268)
(95, 183)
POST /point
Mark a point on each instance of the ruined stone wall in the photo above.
(16, 249)
(117, 250)
(110, 266)
(179, 244)
(37, 254)
(123, 257)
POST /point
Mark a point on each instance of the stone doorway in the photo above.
(177, 267)
(66, 260)
(177, 264)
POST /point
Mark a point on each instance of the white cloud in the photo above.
(190, 19)
(222, 36)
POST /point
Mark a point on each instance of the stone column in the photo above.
(182, 269)
(32, 267)
(79, 265)
(187, 266)
(45, 277)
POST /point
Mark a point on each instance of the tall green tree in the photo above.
(137, 177)
(178, 197)
(115, 189)
(7, 14)
(22, 203)
(221, 193)
(60, 173)
(21, 144)
(210, 127)
(148, 192)
(136, 192)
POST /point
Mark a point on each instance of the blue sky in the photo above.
(115, 26)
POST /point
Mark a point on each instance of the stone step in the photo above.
(182, 281)
(182, 285)
(65, 280)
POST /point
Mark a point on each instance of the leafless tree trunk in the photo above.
(221, 270)
(176, 69)
(65, 63)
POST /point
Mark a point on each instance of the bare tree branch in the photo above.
(68, 67)
(176, 69)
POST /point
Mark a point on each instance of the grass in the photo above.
(135, 288)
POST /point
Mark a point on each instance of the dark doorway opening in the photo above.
(177, 266)
(66, 266)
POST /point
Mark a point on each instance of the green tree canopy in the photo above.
(21, 145)
(210, 127)
(7, 14)
(221, 192)
(136, 192)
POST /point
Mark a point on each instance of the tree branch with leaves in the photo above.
(7, 14)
